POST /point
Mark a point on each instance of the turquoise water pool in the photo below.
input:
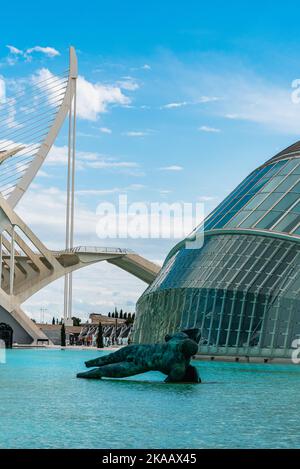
(43, 405)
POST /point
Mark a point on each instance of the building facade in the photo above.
(242, 287)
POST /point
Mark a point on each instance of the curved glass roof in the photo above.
(268, 199)
(289, 152)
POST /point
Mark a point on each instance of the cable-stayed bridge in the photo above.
(29, 124)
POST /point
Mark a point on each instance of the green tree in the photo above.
(100, 343)
(113, 315)
(121, 314)
(53, 320)
(125, 315)
(76, 321)
(109, 314)
(63, 335)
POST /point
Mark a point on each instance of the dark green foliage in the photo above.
(63, 336)
(100, 343)
(76, 321)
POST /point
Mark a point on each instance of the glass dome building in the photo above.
(242, 287)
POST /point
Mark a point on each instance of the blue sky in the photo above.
(201, 89)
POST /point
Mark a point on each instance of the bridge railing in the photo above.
(94, 250)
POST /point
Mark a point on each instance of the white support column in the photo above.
(72, 198)
(12, 261)
(70, 190)
(66, 287)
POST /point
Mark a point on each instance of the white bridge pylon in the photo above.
(26, 264)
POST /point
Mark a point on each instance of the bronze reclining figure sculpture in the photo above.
(171, 358)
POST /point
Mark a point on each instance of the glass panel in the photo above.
(296, 208)
(255, 201)
(291, 164)
(286, 202)
(297, 169)
(288, 222)
(273, 168)
(269, 220)
(296, 188)
(270, 200)
(237, 219)
(224, 220)
(285, 185)
(270, 186)
(297, 231)
(252, 219)
(238, 198)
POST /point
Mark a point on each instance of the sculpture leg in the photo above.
(114, 357)
(115, 370)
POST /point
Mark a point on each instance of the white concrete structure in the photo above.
(26, 264)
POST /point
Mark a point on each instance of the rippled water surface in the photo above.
(43, 405)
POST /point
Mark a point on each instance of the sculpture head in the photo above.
(186, 345)
(177, 336)
(189, 348)
(193, 334)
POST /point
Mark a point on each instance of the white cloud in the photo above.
(50, 84)
(99, 287)
(146, 67)
(128, 83)
(43, 174)
(175, 105)
(136, 187)
(208, 99)
(94, 98)
(10, 111)
(48, 51)
(206, 198)
(172, 168)
(134, 133)
(59, 156)
(164, 191)
(205, 128)
(114, 190)
(201, 100)
(232, 116)
(250, 97)
(105, 130)
(105, 164)
(255, 100)
(14, 50)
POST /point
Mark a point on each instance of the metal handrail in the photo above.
(94, 250)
